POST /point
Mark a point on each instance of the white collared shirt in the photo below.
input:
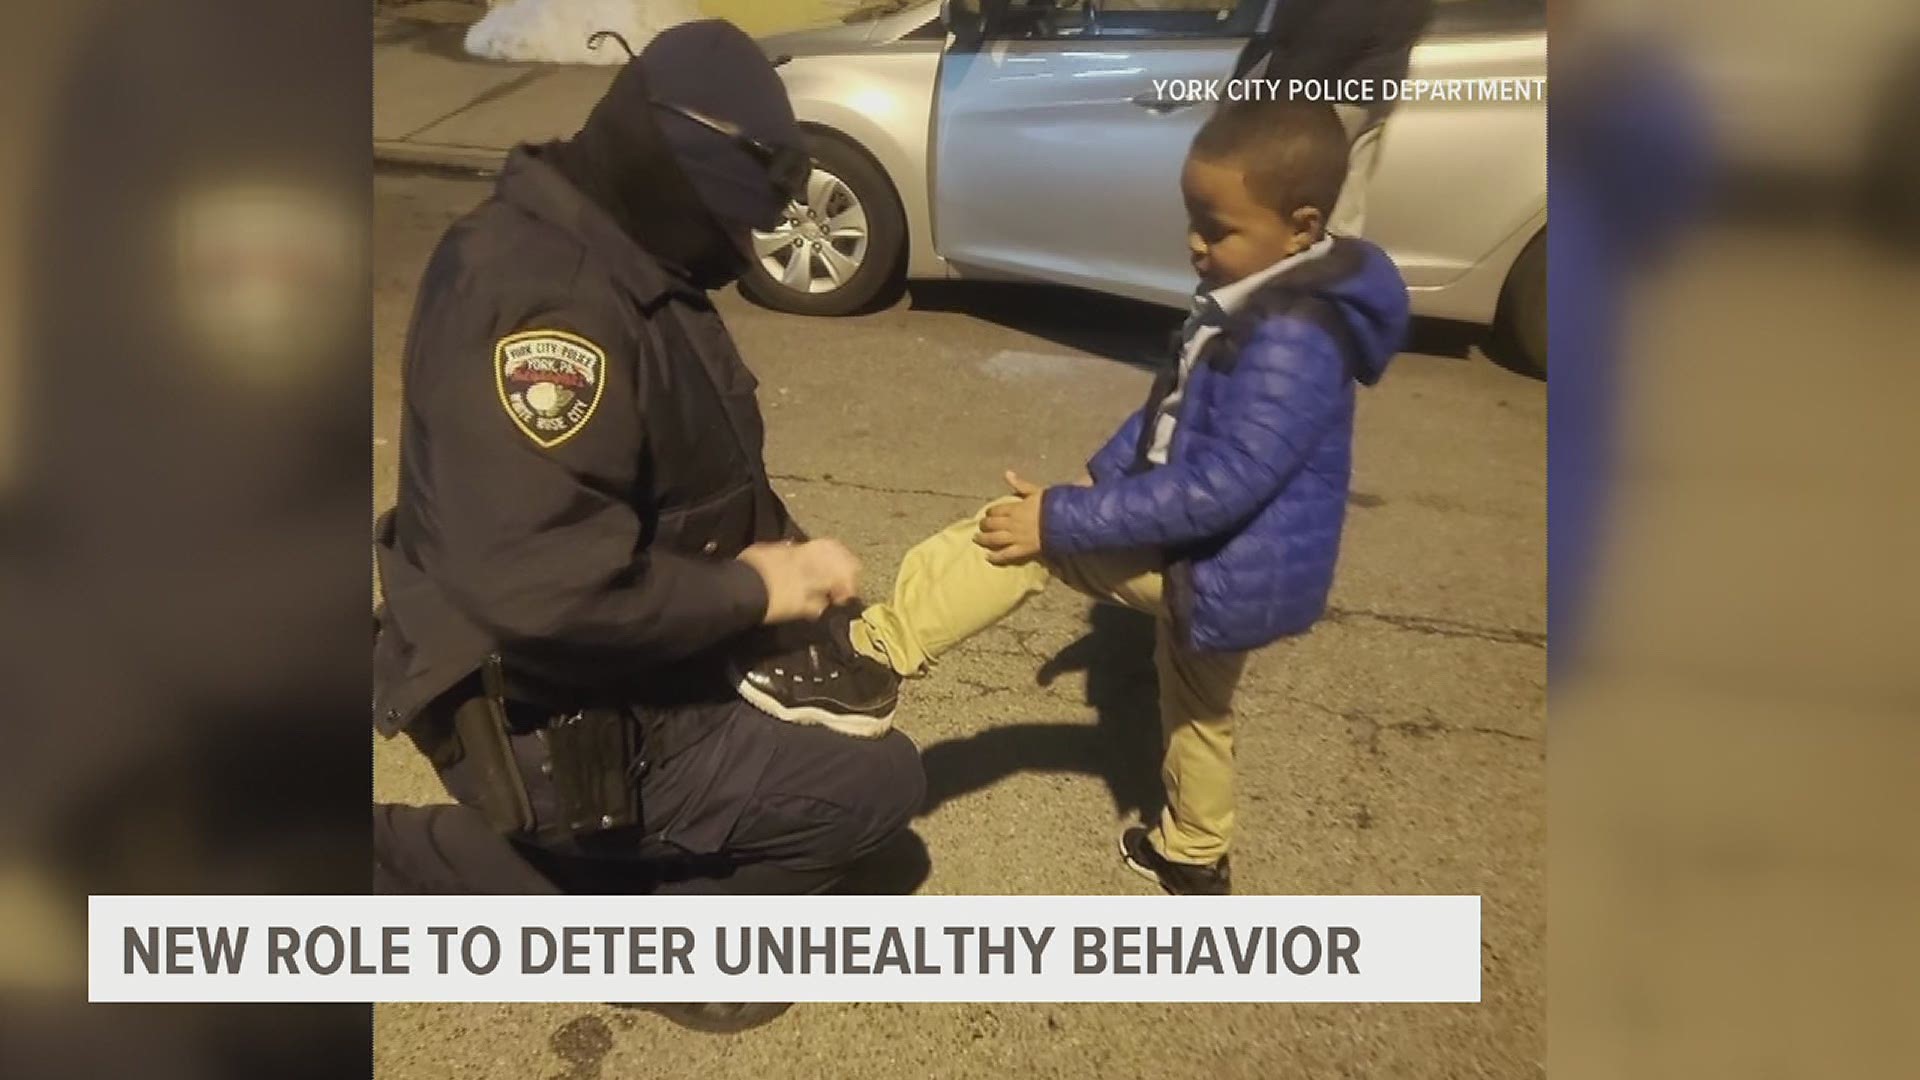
(1210, 312)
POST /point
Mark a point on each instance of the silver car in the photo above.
(1046, 155)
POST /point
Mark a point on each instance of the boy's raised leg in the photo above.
(946, 592)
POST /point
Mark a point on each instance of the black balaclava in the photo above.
(682, 191)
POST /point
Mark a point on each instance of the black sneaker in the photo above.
(1180, 879)
(820, 679)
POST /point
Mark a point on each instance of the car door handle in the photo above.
(1159, 106)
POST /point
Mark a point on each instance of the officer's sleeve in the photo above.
(790, 529)
(539, 455)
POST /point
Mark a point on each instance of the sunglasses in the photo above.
(788, 167)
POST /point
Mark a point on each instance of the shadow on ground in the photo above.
(1129, 331)
(1443, 337)
(1133, 331)
(1122, 747)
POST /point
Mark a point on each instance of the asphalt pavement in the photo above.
(1399, 748)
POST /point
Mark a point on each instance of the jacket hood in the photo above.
(1373, 302)
(681, 191)
(713, 67)
(1365, 292)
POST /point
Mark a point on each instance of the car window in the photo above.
(1137, 19)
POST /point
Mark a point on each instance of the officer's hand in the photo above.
(791, 594)
(803, 579)
(833, 566)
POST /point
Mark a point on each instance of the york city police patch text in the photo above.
(550, 382)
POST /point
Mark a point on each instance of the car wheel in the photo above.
(839, 249)
(1520, 325)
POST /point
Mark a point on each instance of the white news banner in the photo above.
(782, 948)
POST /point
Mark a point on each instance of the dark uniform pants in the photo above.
(753, 805)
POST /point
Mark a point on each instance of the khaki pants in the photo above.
(947, 592)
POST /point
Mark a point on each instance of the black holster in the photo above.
(594, 758)
(597, 760)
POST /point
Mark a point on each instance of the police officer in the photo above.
(584, 532)
(1354, 45)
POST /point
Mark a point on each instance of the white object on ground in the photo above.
(555, 31)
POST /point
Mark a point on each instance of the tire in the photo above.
(1520, 324)
(839, 252)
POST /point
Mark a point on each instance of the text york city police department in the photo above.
(1529, 88)
(745, 950)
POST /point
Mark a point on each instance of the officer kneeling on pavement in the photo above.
(585, 538)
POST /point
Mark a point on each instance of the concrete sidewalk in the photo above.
(435, 105)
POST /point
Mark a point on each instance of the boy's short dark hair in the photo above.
(1294, 152)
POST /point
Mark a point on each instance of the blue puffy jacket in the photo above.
(1249, 505)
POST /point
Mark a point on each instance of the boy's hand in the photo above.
(1011, 532)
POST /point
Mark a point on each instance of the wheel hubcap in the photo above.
(821, 241)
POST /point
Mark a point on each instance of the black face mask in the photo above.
(787, 167)
(622, 162)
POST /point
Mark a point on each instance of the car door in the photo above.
(1455, 180)
(1053, 155)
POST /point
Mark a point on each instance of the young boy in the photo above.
(1216, 508)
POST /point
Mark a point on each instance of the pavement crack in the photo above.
(982, 689)
(829, 480)
(493, 93)
(1365, 729)
(1439, 627)
(1500, 734)
(1024, 637)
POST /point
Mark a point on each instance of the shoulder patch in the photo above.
(550, 383)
